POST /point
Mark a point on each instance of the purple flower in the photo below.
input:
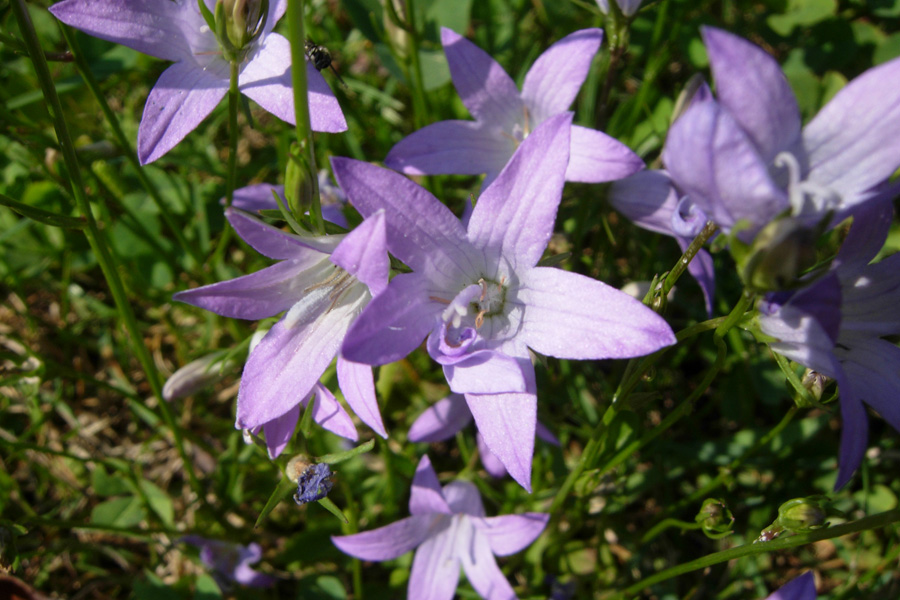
(743, 158)
(449, 528)
(628, 7)
(446, 417)
(480, 297)
(799, 588)
(836, 327)
(504, 116)
(230, 562)
(650, 200)
(192, 87)
(322, 283)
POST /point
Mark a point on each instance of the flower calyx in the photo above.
(238, 23)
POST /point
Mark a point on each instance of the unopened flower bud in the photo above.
(238, 23)
(300, 183)
(802, 514)
(815, 382)
(714, 518)
(198, 374)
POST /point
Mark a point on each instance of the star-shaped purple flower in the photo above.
(192, 87)
(447, 416)
(322, 283)
(450, 529)
(744, 158)
(480, 297)
(836, 327)
(230, 563)
(504, 116)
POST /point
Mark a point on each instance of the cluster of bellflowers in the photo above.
(474, 289)
(742, 160)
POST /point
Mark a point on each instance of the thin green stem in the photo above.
(130, 155)
(234, 101)
(595, 444)
(92, 232)
(420, 107)
(303, 129)
(799, 539)
(668, 524)
(674, 416)
(635, 370)
(690, 252)
(725, 472)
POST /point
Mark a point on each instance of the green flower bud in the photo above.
(803, 514)
(714, 518)
(300, 183)
(815, 382)
(781, 252)
(800, 514)
(238, 23)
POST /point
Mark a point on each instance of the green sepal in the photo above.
(339, 457)
(207, 15)
(331, 507)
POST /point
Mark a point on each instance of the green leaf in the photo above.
(324, 587)
(43, 216)
(333, 459)
(284, 487)
(802, 13)
(153, 588)
(885, 8)
(105, 484)
(887, 49)
(159, 502)
(119, 512)
(453, 14)
(878, 499)
(206, 588)
(435, 70)
(366, 15)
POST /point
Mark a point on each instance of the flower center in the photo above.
(805, 197)
(467, 313)
(490, 302)
(521, 129)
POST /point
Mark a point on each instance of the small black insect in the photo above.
(321, 58)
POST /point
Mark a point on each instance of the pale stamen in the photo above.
(801, 193)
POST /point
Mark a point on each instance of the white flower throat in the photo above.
(805, 197)
(320, 298)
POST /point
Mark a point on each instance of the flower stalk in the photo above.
(92, 232)
(303, 129)
(800, 539)
(84, 70)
